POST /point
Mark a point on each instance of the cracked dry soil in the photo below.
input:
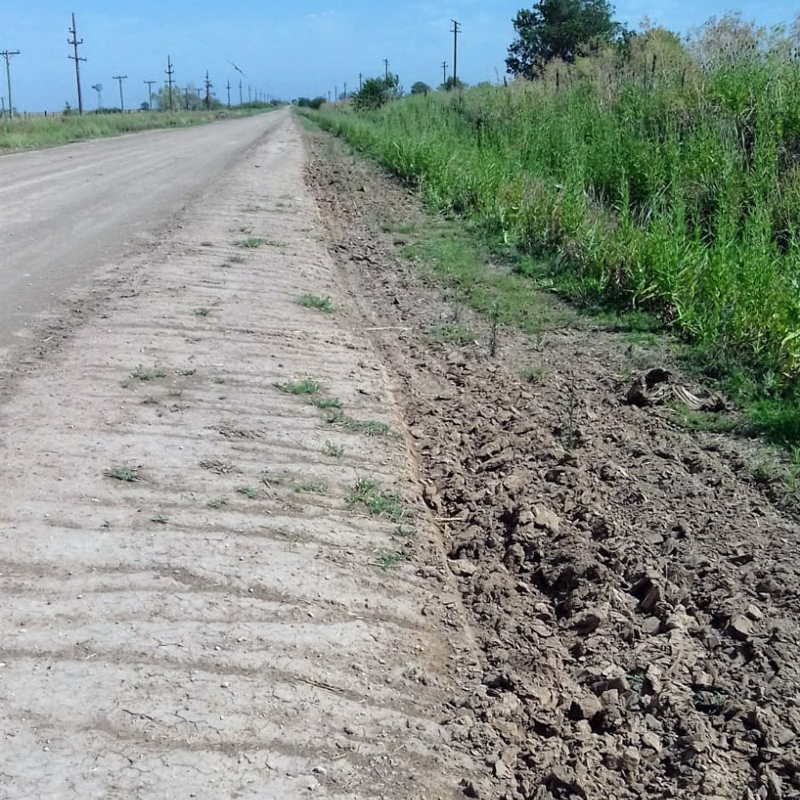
(634, 595)
(193, 603)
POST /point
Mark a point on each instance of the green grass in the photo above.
(247, 491)
(312, 487)
(217, 503)
(378, 501)
(303, 486)
(123, 474)
(388, 559)
(250, 243)
(453, 333)
(146, 374)
(327, 402)
(159, 519)
(32, 132)
(333, 450)
(313, 301)
(202, 311)
(369, 427)
(306, 386)
(678, 197)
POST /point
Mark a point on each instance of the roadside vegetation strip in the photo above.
(25, 132)
(678, 195)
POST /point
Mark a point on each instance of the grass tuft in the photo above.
(379, 502)
(313, 301)
(368, 427)
(306, 386)
(333, 450)
(147, 374)
(124, 474)
(327, 402)
(250, 243)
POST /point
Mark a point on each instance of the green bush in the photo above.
(671, 191)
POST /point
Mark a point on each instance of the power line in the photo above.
(74, 41)
(120, 78)
(456, 31)
(7, 54)
(150, 93)
(170, 73)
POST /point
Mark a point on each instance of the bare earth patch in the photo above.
(177, 622)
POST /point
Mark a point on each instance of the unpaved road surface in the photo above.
(67, 210)
(194, 602)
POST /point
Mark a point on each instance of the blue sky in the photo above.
(286, 49)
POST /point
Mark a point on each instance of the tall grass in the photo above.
(30, 132)
(675, 192)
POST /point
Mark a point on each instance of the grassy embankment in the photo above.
(676, 194)
(31, 132)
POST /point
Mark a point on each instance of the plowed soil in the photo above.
(634, 594)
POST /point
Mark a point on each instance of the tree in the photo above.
(561, 29)
(376, 92)
(447, 86)
(420, 87)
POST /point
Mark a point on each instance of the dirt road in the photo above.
(67, 210)
(202, 574)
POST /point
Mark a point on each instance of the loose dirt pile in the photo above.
(635, 597)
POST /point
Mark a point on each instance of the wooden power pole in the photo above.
(456, 31)
(119, 79)
(444, 73)
(208, 86)
(150, 94)
(170, 81)
(7, 54)
(74, 41)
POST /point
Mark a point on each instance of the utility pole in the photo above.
(74, 41)
(150, 94)
(456, 31)
(187, 98)
(360, 81)
(241, 101)
(386, 68)
(120, 78)
(444, 73)
(7, 54)
(208, 91)
(249, 94)
(228, 87)
(345, 90)
(336, 93)
(170, 73)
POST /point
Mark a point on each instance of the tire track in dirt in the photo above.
(201, 631)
